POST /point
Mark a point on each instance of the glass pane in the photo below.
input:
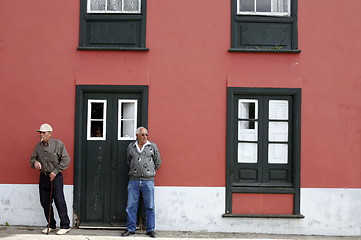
(97, 5)
(247, 152)
(278, 109)
(131, 5)
(247, 130)
(278, 153)
(280, 5)
(114, 5)
(263, 6)
(97, 110)
(128, 110)
(278, 131)
(127, 129)
(246, 5)
(96, 128)
(247, 109)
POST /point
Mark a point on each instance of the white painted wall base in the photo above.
(20, 205)
(327, 211)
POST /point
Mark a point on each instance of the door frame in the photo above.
(79, 124)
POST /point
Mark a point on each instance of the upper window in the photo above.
(264, 7)
(112, 25)
(264, 26)
(114, 6)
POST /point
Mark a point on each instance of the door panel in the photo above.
(104, 171)
(96, 181)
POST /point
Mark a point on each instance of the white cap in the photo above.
(45, 128)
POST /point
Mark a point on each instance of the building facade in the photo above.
(254, 105)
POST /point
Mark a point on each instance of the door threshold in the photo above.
(102, 227)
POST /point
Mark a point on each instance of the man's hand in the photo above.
(37, 165)
(52, 176)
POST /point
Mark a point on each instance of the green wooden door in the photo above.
(109, 123)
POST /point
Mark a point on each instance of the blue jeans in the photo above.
(134, 189)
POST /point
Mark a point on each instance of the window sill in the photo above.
(265, 50)
(229, 215)
(114, 49)
(263, 190)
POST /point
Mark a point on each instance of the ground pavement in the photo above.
(34, 233)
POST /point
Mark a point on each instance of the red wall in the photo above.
(188, 70)
(245, 203)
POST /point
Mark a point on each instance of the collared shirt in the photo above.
(137, 145)
(52, 156)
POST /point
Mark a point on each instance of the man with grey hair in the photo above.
(51, 158)
(143, 159)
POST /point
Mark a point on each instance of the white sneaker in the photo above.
(45, 231)
(62, 231)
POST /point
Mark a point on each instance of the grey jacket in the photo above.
(143, 165)
(52, 156)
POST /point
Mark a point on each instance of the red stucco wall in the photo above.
(188, 69)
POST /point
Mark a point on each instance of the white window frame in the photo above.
(120, 119)
(110, 12)
(278, 112)
(249, 154)
(104, 120)
(272, 13)
(247, 131)
(247, 149)
(243, 100)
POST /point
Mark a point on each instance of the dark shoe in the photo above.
(152, 234)
(127, 233)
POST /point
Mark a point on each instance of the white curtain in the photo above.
(131, 5)
(114, 5)
(280, 5)
(97, 5)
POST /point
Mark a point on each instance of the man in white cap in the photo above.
(51, 158)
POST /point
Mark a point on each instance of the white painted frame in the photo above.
(247, 150)
(278, 111)
(243, 133)
(277, 153)
(240, 101)
(110, 12)
(121, 119)
(89, 119)
(272, 13)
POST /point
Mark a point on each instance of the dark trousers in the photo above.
(57, 196)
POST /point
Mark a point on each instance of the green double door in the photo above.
(109, 121)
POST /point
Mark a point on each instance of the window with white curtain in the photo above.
(264, 7)
(127, 119)
(114, 6)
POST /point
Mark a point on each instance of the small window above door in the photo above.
(127, 119)
(96, 122)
